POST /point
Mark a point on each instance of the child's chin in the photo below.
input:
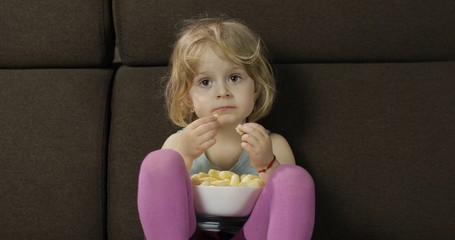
(226, 119)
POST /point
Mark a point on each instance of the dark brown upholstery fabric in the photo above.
(366, 100)
(53, 137)
(378, 140)
(366, 96)
(139, 126)
(55, 33)
(299, 31)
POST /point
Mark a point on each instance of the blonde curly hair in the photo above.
(238, 43)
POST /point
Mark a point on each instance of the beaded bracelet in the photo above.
(268, 166)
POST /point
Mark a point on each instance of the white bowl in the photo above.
(225, 201)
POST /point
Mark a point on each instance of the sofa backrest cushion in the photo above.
(378, 140)
(139, 125)
(365, 98)
(54, 33)
(54, 102)
(299, 31)
(53, 141)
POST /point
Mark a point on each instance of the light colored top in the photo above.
(226, 224)
(243, 165)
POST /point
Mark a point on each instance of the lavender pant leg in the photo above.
(285, 208)
(165, 198)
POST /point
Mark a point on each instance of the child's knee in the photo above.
(163, 161)
(293, 175)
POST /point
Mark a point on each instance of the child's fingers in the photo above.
(255, 129)
(207, 144)
(203, 121)
(207, 135)
(203, 129)
(247, 147)
(250, 139)
(255, 135)
(203, 125)
(205, 140)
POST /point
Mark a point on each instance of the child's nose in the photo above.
(223, 91)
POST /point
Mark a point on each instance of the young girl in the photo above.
(220, 80)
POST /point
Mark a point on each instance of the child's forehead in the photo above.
(213, 52)
(210, 60)
(209, 53)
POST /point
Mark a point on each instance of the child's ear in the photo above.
(187, 101)
(256, 90)
(256, 95)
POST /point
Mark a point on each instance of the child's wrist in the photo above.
(269, 165)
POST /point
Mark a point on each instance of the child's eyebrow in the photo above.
(238, 67)
(203, 73)
(235, 67)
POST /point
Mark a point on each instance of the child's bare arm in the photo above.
(266, 151)
(195, 139)
(282, 149)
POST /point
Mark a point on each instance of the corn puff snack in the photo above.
(237, 129)
(226, 178)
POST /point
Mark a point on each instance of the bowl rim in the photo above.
(227, 187)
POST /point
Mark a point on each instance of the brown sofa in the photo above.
(366, 100)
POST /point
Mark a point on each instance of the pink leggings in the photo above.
(284, 210)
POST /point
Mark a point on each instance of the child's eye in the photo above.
(205, 83)
(235, 78)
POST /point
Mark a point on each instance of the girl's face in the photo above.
(223, 88)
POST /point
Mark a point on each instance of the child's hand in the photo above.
(256, 141)
(197, 137)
